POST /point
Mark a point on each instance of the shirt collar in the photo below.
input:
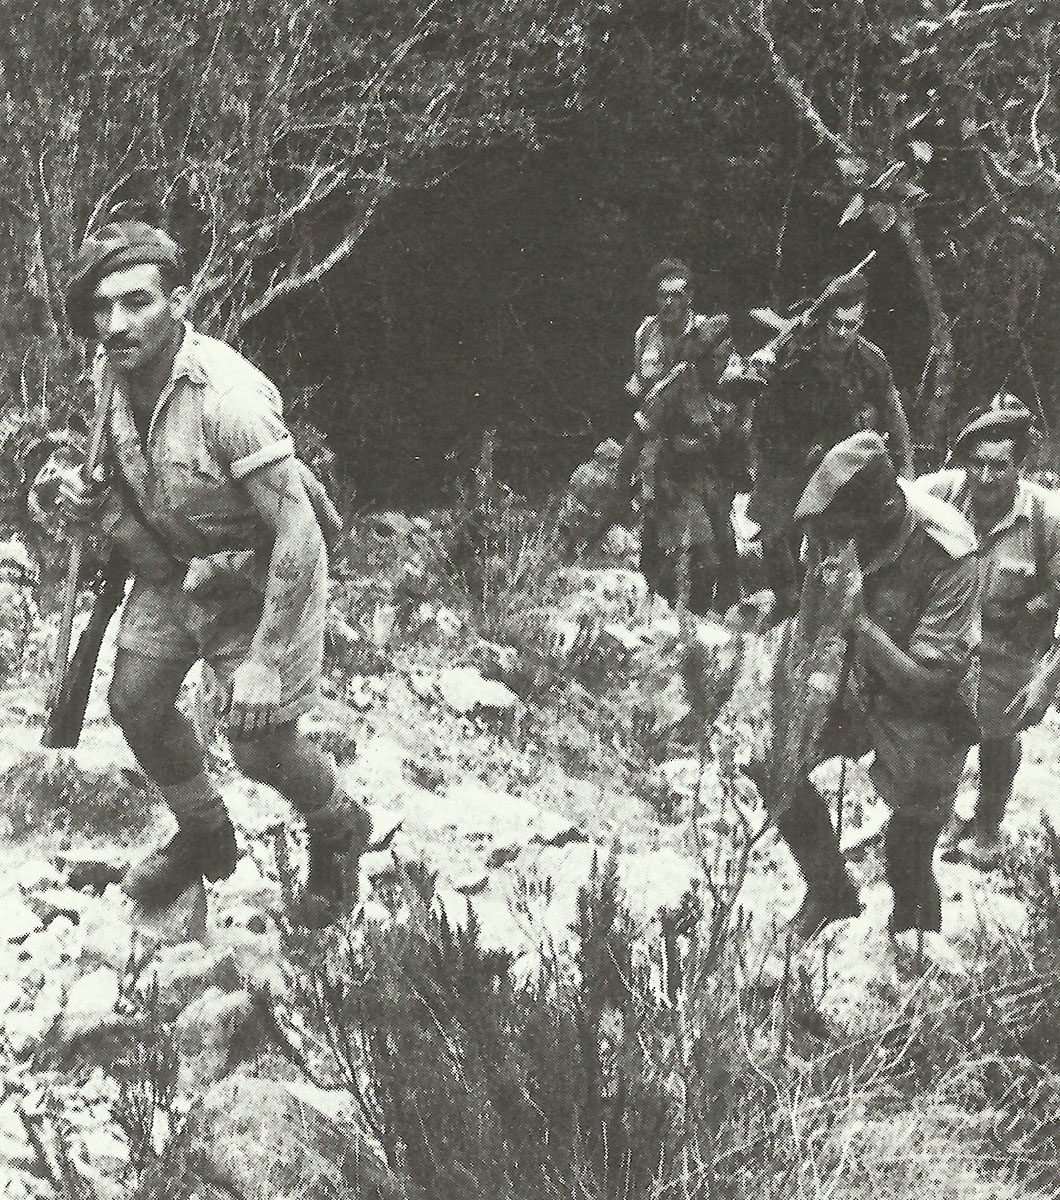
(187, 365)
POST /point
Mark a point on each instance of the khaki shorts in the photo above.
(918, 761)
(159, 621)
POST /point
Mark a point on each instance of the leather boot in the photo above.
(831, 894)
(332, 882)
(186, 858)
(909, 849)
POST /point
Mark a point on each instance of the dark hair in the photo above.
(854, 291)
(669, 268)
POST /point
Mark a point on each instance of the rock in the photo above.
(90, 872)
(205, 1033)
(183, 921)
(465, 690)
(37, 874)
(472, 885)
(249, 885)
(17, 919)
(52, 902)
(107, 935)
(849, 969)
(27, 1027)
(257, 1140)
(188, 971)
(550, 829)
(52, 948)
(91, 1005)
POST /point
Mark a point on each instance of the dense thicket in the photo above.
(435, 217)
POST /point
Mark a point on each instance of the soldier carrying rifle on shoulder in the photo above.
(198, 472)
(823, 381)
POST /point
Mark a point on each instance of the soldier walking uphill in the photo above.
(690, 457)
(829, 385)
(1018, 528)
(913, 638)
(199, 464)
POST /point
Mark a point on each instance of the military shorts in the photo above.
(918, 760)
(161, 622)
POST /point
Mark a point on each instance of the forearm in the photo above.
(901, 673)
(295, 584)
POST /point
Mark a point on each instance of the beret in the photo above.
(838, 467)
(1009, 419)
(113, 247)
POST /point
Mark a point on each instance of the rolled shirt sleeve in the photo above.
(948, 632)
(250, 432)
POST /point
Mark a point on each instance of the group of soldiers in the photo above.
(223, 530)
(958, 585)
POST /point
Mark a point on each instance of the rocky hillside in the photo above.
(513, 770)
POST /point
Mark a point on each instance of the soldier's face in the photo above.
(673, 300)
(136, 317)
(844, 325)
(993, 472)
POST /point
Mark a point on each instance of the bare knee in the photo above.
(141, 692)
(258, 758)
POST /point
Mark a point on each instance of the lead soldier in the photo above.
(199, 463)
(914, 634)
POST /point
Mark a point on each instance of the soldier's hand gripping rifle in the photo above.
(72, 677)
(758, 367)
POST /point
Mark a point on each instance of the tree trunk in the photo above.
(939, 375)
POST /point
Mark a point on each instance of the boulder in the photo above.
(91, 1005)
(187, 971)
(256, 1139)
(206, 1031)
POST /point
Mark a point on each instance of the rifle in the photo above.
(63, 726)
(66, 712)
(739, 367)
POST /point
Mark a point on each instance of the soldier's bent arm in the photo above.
(943, 642)
(295, 576)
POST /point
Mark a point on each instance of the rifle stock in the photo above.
(66, 715)
(60, 668)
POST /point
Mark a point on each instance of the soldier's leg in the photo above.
(142, 698)
(999, 761)
(778, 563)
(338, 827)
(831, 894)
(909, 859)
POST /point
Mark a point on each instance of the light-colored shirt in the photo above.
(1019, 559)
(217, 420)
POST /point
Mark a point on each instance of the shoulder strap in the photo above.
(130, 500)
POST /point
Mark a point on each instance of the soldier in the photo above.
(833, 383)
(690, 459)
(200, 464)
(913, 636)
(1018, 529)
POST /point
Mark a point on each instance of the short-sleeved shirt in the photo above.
(217, 420)
(922, 590)
(1019, 559)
